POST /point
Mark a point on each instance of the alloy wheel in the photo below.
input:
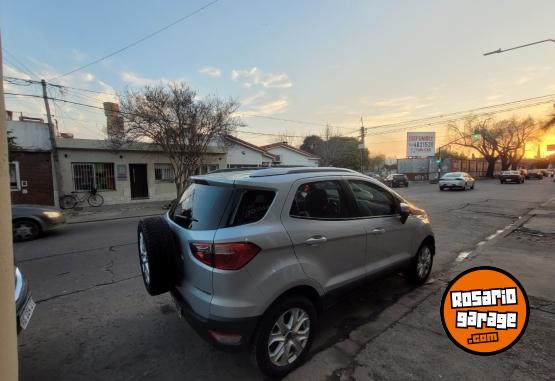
(289, 336)
(424, 263)
(144, 259)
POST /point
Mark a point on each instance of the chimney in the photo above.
(114, 120)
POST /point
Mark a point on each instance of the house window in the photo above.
(206, 168)
(93, 175)
(164, 173)
(15, 179)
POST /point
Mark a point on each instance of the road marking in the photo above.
(462, 256)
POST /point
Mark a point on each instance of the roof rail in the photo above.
(224, 170)
(295, 170)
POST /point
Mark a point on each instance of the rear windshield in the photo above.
(207, 207)
(453, 174)
(401, 177)
(201, 207)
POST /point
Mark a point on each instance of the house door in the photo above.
(138, 179)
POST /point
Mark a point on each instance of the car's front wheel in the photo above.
(421, 266)
(25, 230)
(285, 335)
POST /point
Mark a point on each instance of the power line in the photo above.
(415, 126)
(22, 67)
(136, 42)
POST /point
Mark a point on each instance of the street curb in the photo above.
(113, 218)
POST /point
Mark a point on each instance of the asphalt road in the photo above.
(94, 320)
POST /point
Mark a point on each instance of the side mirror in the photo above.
(404, 211)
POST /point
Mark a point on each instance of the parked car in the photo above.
(535, 174)
(456, 180)
(397, 180)
(253, 257)
(24, 303)
(511, 177)
(29, 221)
(545, 172)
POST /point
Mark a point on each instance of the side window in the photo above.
(253, 206)
(320, 199)
(372, 200)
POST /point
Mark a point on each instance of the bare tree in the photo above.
(513, 137)
(505, 139)
(486, 144)
(183, 125)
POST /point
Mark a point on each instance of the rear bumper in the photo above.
(209, 328)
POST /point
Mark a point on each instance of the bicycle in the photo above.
(70, 201)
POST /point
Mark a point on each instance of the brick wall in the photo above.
(36, 169)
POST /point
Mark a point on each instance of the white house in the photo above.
(244, 154)
(289, 155)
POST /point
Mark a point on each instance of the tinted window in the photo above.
(372, 200)
(321, 199)
(201, 207)
(253, 205)
(399, 177)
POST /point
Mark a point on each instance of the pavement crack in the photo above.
(110, 248)
(87, 289)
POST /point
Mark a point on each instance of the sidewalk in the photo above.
(407, 341)
(113, 212)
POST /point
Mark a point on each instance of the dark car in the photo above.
(29, 221)
(397, 180)
(534, 174)
(24, 303)
(511, 177)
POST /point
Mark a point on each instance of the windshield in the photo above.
(453, 174)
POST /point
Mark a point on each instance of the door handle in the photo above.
(377, 231)
(316, 240)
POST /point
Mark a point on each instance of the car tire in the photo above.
(441, 189)
(472, 186)
(158, 255)
(465, 187)
(25, 230)
(421, 265)
(265, 354)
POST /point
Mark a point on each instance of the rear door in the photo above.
(195, 219)
(328, 241)
(388, 240)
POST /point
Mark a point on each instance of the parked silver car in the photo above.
(29, 221)
(456, 180)
(253, 256)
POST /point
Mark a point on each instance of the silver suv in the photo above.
(251, 257)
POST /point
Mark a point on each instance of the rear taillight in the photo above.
(225, 256)
(203, 252)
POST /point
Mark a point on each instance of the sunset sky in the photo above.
(313, 62)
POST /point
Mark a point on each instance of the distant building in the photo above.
(31, 176)
(241, 154)
(289, 155)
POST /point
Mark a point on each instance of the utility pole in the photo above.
(8, 324)
(54, 156)
(361, 145)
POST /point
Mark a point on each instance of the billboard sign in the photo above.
(421, 144)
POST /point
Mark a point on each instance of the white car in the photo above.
(456, 180)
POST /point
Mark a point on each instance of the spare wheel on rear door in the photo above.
(158, 255)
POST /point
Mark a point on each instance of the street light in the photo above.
(518, 47)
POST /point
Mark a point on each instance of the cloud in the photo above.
(393, 102)
(210, 71)
(135, 80)
(78, 56)
(256, 105)
(256, 77)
